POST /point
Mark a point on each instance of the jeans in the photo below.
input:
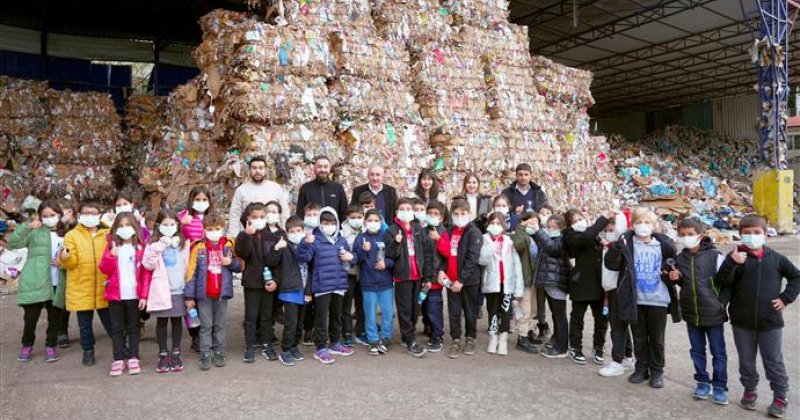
(576, 325)
(385, 300)
(258, 305)
(177, 333)
(405, 296)
(463, 302)
(435, 309)
(498, 307)
(621, 340)
(31, 318)
(748, 344)
(85, 320)
(124, 316)
(716, 340)
(292, 331)
(327, 319)
(560, 324)
(353, 296)
(648, 338)
(212, 314)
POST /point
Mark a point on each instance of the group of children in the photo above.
(312, 270)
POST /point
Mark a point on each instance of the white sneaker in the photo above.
(629, 364)
(612, 369)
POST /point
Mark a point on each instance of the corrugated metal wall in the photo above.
(737, 116)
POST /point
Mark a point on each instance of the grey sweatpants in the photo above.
(212, 324)
(748, 344)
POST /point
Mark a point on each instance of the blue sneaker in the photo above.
(702, 391)
(720, 396)
(286, 358)
(362, 339)
(347, 341)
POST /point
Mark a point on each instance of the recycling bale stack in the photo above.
(412, 23)
(142, 124)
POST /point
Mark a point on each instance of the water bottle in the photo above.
(605, 310)
(345, 264)
(381, 252)
(530, 206)
(192, 319)
(267, 275)
(519, 312)
(423, 294)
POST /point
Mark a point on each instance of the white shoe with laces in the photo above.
(612, 369)
(629, 364)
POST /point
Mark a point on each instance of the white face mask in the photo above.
(405, 215)
(421, 216)
(611, 236)
(89, 220)
(433, 221)
(311, 221)
(494, 230)
(753, 242)
(127, 208)
(502, 210)
(168, 230)
(373, 227)
(329, 230)
(689, 241)
(356, 223)
(259, 224)
(296, 237)
(125, 232)
(643, 230)
(273, 218)
(200, 206)
(553, 233)
(50, 221)
(461, 221)
(214, 235)
(580, 226)
(530, 231)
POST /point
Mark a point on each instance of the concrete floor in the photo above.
(362, 386)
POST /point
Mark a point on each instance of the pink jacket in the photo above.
(108, 266)
(160, 298)
(193, 231)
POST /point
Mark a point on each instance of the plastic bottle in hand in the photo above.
(267, 275)
(519, 312)
(529, 208)
(191, 318)
(345, 264)
(381, 252)
(423, 293)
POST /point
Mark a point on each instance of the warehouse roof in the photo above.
(650, 54)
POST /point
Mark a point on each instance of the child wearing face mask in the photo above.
(191, 218)
(552, 274)
(703, 308)
(501, 281)
(375, 275)
(350, 230)
(585, 289)
(209, 287)
(311, 217)
(310, 222)
(434, 304)
(43, 237)
(261, 234)
(621, 339)
(532, 300)
(125, 291)
(644, 293)
(165, 260)
(83, 249)
(421, 217)
(503, 206)
(292, 277)
(755, 276)
(124, 203)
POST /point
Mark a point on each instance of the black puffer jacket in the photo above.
(399, 252)
(702, 301)
(755, 284)
(252, 249)
(585, 247)
(284, 265)
(552, 266)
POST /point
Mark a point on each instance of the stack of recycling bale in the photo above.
(412, 23)
(142, 124)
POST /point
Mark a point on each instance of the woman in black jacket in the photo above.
(585, 289)
(552, 273)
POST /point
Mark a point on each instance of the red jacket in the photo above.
(108, 266)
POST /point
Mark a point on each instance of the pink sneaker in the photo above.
(117, 367)
(133, 366)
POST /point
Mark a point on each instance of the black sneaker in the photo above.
(88, 358)
(163, 362)
(287, 359)
(552, 353)
(383, 347)
(550, 343)
(196, 344)
(176, 361)
(62, 341)
(436, 346)
(544, 332)
(416, 350)
(638, 376)
(296, 354)
(308, 338)
(577, 357)
(373, 350)
(205, 361)
(219, 359)
(524, 344)
(597, 357)
(250, 355)
(535, 340)
(269, 353)
(657, 380)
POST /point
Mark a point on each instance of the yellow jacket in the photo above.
(85, 282)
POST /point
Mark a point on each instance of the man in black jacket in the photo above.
(322, 190)
(385, 195)
(525, 195)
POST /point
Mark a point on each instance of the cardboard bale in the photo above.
(413, 24)
(478, 12)
(282, 101)
(369, 57)
(559, 83)
(366, 99)
(333, 15)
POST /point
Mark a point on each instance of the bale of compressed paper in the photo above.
(144, 117)
(413, 24)
(333, 15)
(590, 179)
(369, 57)
(366, 99)
(478, 12)
(559, 83)
(289, 99)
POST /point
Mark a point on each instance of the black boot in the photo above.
(88, 358)
(657, 380)
(524, 344)
(534, 339)
(639, 376)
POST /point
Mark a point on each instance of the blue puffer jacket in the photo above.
(371, 279)
(196, 274)
(328, 275)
